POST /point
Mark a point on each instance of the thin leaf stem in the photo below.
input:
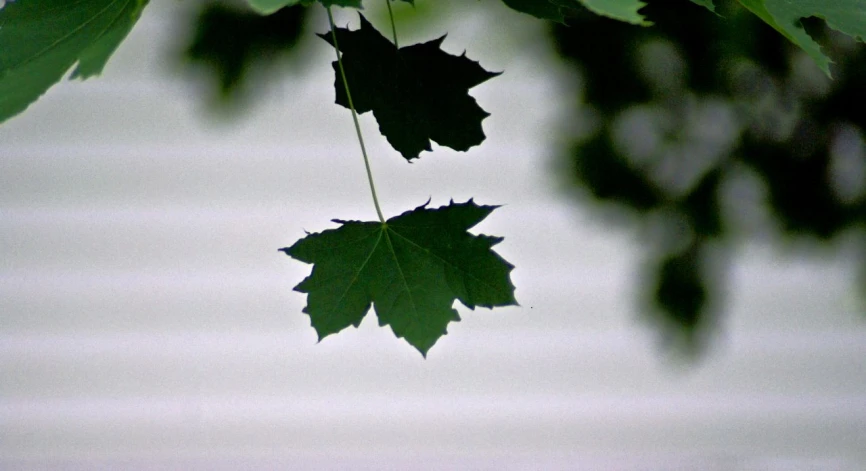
(354, 116)
(393, 25)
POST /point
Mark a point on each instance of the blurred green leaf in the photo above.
(233, 41)
(266, 7)
(623, 10)
(706, 3)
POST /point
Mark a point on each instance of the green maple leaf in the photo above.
(266, 7)
(41, 40)
(623, 10)
(410, 269)
(417, 93)
(845, 16)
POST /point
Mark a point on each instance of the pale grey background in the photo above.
(147, 319)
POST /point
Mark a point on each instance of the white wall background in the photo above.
(147, 319)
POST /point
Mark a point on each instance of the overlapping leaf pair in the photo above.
(413, 267)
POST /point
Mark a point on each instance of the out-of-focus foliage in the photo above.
(267, 7)
(233, 41)
(689, 110)
(557, 10)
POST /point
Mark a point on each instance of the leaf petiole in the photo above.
(393, 25)
(355, 114)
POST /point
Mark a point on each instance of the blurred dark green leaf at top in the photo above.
(232, 42)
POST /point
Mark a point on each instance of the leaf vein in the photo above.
(354, 278)
(73, 32)
(456, 267)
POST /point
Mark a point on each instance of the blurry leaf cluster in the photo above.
(709, 130)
